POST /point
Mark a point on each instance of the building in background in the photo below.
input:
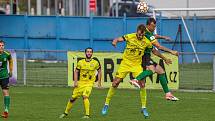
(56, 7)
(103, 7)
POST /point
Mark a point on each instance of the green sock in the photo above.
(6, 103)
(163, 81)
(144, 74)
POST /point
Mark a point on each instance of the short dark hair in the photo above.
(2, 41)
(150, 20)
(88, 48)
(141, 28)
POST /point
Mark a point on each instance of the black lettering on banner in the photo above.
(161, 63)
(131, 76)
(108, 71)
(99, 65)
(118, 61)
(174, 78)
(73, 70)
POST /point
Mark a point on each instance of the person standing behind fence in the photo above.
(86, 69)
(5, 57)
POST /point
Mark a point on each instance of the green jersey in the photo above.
(149, 35)
(4, 57)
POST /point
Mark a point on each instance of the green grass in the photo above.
(47, 103)
(196, 76)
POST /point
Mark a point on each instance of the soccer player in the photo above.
(87, 68)
(136, 43)
(151, 66)
(5, 57)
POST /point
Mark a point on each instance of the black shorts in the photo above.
(4, 83)
(147, 61)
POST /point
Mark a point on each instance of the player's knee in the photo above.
(5, 92)
(115, 84)
(159, 70)
(85, 97)
(151, 67)
(72, 100)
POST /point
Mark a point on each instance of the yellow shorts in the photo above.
(125, 68)
(82, 91)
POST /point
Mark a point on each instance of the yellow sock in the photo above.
(68, 107)
(87, 106)
(110, 94)
(143, 96)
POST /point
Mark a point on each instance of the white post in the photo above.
(102, 7)
(62, 11)
(32, 11)
(191, 41)
(48, 11)
(38, 7)
(29, 7)
(48, 8)
(154, 16)
(214, 73)
(117, 8)
(24, 69)
(71, 7)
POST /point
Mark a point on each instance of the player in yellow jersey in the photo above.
(150, 65)
(131, 60)
(88, 69)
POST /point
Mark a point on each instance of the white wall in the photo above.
(183, 4)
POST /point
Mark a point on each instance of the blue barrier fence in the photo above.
(77, 33)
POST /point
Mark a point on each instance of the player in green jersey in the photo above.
(5, 57)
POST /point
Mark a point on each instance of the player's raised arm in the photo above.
(119, 39)
(157, 53)
(163, 37)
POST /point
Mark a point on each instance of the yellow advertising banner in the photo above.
(110, 62)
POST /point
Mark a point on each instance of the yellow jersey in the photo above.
(135, 48)
(88, 71)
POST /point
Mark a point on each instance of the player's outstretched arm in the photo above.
(114, 42)
(76, 78)
(157, 53)
(99, 78)
(160, 47)
(163, 37)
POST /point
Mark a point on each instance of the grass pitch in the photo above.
(47, 103)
